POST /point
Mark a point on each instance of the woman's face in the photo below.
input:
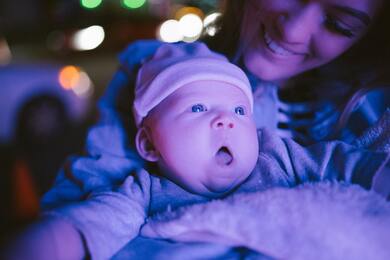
(286, 37)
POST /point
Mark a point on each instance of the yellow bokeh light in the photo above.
(69, 77)
(188, 10)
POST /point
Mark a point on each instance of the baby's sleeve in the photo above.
(333, 160)
(108, 219)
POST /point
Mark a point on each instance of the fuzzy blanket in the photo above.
(312, 221)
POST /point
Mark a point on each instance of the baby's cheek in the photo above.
(253, 149)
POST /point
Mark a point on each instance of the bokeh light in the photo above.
(169, 31)
(88, 38)
(84, 85)
(188, 10)
(209, 23)
(191, 25)
(133, 4)
(187, 26)
(73, 78)
(69, 77)
(90, 4)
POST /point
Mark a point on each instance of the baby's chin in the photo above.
(216, 190)
(219, 193)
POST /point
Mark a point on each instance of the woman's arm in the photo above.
(334, 160)
(49, 239)
(97, 227)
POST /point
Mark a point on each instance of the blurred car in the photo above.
(37, 102)
(44, 114)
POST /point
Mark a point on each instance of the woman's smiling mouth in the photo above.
(278, 49)
(275, 48)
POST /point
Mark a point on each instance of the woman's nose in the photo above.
(298, 25)
(222, 121)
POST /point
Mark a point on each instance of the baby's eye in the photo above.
(198, 108)
(240, 110)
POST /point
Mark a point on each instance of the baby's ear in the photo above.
(145, 146)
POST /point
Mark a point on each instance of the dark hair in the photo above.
(227, 38)
(366, 60)
(365, 66)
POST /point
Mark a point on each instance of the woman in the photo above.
(283, 46)
(278, 43)
(283, 42)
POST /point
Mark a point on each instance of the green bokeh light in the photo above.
(132, 4)
(90, 4)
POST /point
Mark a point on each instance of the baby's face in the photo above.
(205, 136)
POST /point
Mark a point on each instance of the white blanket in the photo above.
(312, 221)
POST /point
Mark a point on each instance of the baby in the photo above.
(193, 110)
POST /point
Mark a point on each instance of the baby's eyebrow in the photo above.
(241, 100)
(190, 99)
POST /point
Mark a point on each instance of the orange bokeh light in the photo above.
(69, 77)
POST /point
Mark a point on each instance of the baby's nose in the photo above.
(222, 121)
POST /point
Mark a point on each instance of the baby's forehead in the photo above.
(205, 92)
(209, 89)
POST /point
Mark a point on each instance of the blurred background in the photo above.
(56, 58)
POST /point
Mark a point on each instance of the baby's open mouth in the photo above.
(224, 156)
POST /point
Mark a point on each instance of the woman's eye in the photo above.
(239, 111)
(336, 26)
(198, 108)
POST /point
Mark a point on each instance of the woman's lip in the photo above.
(278, 48)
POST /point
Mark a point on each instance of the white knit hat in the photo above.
(176, 65)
